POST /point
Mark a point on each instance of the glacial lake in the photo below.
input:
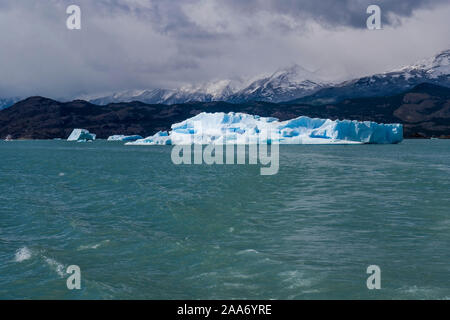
(140, 227)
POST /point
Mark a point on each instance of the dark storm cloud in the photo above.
(334, 12)
(170, 17)
(126, 44)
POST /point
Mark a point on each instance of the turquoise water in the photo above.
(140, 227)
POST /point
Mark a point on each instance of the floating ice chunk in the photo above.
(160, 138)
(241, 128)
(81, 135)
(124, 138)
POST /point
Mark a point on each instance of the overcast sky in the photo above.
(135, 44)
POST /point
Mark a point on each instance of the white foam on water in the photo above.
(239, 275)
(247, 251)
(22, 254)
(236, 285)
(93, 246)
(423, 292)
(55, 265)
(295, 279)
(25, 253)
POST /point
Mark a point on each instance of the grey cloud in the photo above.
(169, 16)
(332, 13)
(133, 44)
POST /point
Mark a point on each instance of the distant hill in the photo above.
(424, 110)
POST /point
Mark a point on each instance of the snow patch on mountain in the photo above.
(433, 68)
(285, 84)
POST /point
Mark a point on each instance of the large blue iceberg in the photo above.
(241, 128)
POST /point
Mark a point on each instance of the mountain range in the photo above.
(435, 70)
(285, 84)
(424, 110)
(296, 84)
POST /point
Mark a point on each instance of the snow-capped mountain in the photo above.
(297, 85)
(215, 91)
(283, 85)
(435, 70)
(294, 84)
(432, 68)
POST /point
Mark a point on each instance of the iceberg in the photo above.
(241, 128)
(81, 135)
(124, 138)
(160, 138)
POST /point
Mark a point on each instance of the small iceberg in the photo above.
(124, 138)
(160, 138)
(240, 128)
(81, 135)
